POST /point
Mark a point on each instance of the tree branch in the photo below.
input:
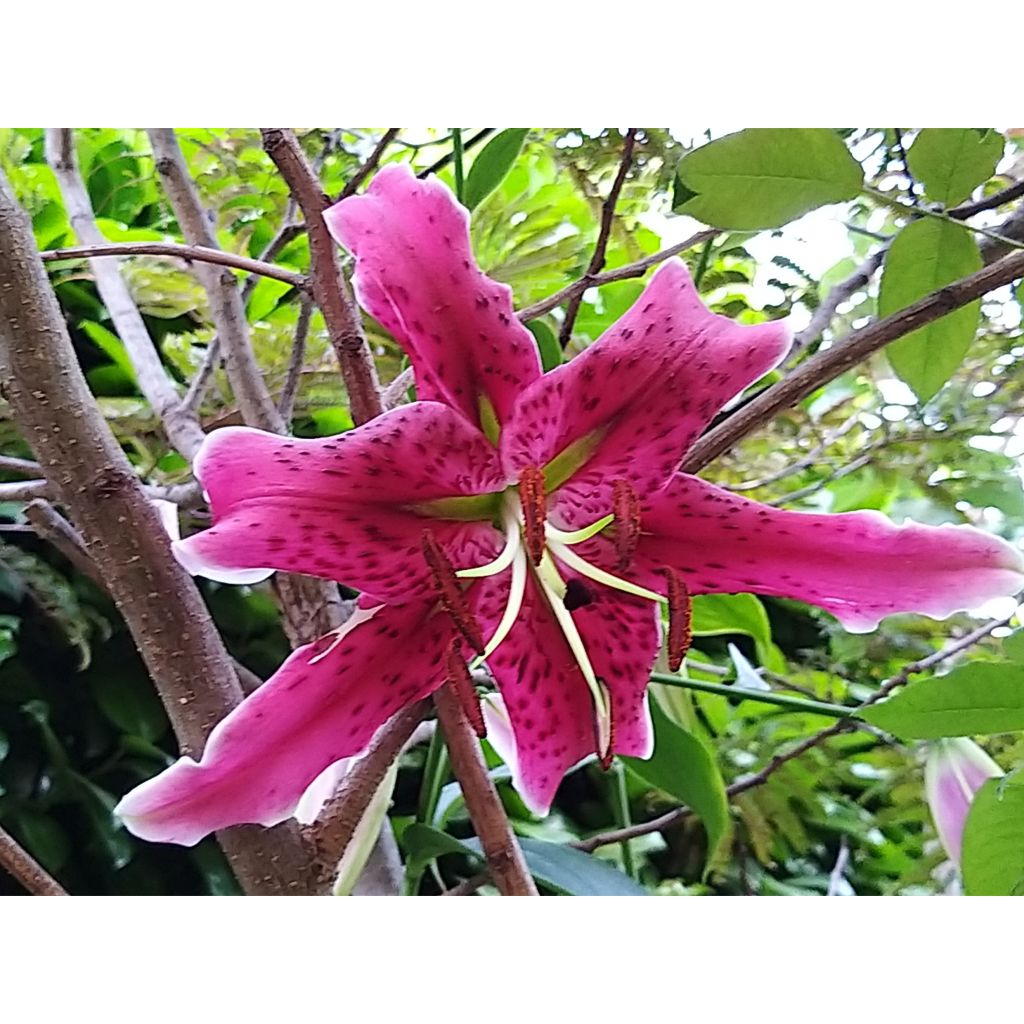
(603, 234)
(344, 324)
(630, 270)
(17, 862)
(226, 309)
(504, 857)
(847, 353)
(92, 479)
(368, 167)
(286, 402)
(183, 430)
(188, 253)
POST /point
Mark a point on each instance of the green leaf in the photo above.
(128, 701)
(718, 614)
(547, 344)
(983, 697)
(493, 163)
(43, 838)
(111, 345)
(1013, 646)
(684, 768)
(571, 872)
(422, 844)
(925, 256)
(766, 177)
(993, 846)
(952, 162)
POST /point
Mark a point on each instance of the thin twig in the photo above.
(26, 490)
(448, 157)
(330, 289)
(803, 492)
(624, 273)
(847, 353)
(838, 873)
(997, 199)
(189, 253)
(25, 869)
(504, 857)
(286, 403)
(759, 778)
(204, 376)
(27, 467)
(368, 166)
(603, 234)
(393, 394)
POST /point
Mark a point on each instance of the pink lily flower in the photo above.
(954, 771)
(533, 522)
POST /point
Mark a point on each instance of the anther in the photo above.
(626, 508)
(605, 734)
(577, 594)
(462, 684)
(531, 497)
(449, 590)
(680, 618)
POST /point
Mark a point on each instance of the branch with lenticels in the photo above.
(93, 480)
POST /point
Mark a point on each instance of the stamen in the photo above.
(606, 742)
(531, 497)
(504, 559)
(680, 618)
(578, 536)
(626, 507)
(577, 594)
(598, 691)
(516, 589)
(462, 684)
(449, 590)
(584, 568)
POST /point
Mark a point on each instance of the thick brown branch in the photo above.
(603, 234)
(336, 824)
(630, 270)
(504, 857)
(221, 287)
(188, 253)
(25, 869)
(330, 288)
(847, 353)
(183, 430)
(92, 479)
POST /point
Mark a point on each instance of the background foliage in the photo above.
(928, 430)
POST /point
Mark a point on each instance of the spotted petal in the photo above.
(857, 565)
(325, 703)
(636, 400)
(416, 274)
(340, 507)
(545, 696)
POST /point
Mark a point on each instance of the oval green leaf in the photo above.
(952, 162)
(491, 166)
(984, 697)
(683, 767)
(925, 256)
(993, 848)
(766, 177)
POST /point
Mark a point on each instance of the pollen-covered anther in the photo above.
(626, 509)
(605, 735)
(680, 618)
(449, 590)
(531, 498)
(462, 683)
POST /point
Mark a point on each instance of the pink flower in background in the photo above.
(533, 522)
(955, 770)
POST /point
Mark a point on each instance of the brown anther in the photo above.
(462, 684)
(531, 497)
(626, 509)
(449, 590)
(680, 618)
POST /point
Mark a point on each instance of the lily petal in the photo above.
(545, 696)
(859, 566)
(325, 703)
(340, 507)
(955, 770)
(415, 273)
(640, 395)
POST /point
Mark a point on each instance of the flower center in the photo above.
(532, 543)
